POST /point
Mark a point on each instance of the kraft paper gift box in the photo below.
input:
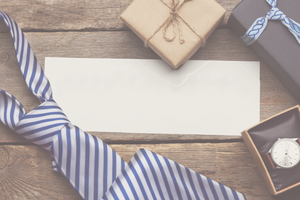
(276, 46)
(191, 23)
(260, 138)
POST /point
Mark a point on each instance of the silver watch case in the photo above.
(280, 139)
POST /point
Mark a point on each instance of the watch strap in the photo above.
(268, 161)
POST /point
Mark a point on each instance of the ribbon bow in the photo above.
(260, 24)
(173, 20)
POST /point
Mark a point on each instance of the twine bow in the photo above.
(173, 20)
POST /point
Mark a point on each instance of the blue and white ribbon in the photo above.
(94, 169)
(260, 24)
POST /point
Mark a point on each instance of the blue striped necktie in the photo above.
(91, 166)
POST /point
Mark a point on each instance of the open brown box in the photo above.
(293, 112)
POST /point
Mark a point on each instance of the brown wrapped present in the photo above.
(174, 29)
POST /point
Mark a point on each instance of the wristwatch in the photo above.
(284, 154)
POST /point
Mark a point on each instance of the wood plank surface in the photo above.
(93, 29)
(62, 15)
(25, 171)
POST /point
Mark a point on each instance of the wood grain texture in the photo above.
(25, 171)
(93, 29)
(61, 15)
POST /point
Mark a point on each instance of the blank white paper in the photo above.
(147, 96)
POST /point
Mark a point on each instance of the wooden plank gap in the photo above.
(71, 30)
(17, 143)
(199, 141)
(203, 141)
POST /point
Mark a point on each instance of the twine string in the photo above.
(173, 20)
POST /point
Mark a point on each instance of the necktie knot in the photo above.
(275, 14)
(42, 124)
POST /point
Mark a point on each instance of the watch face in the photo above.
(285, 153)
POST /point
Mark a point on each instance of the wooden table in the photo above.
(93, 29)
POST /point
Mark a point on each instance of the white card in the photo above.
(147, 96)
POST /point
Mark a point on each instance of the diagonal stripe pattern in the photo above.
(260, 24)
(91, 166)
(151, 176)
